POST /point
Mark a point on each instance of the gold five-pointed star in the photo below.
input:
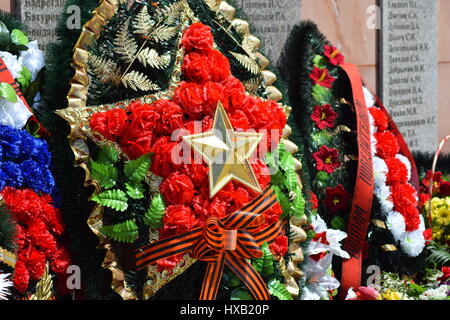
(226, 152)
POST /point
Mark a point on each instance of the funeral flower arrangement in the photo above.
(30, 225)
(163, 199)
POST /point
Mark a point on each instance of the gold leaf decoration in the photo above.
(170, 14)
(247, 62)
(152, 58)
(252, 85)
(214, 5)
(143, 23)
(105, 69)
(44, 288)
(164, 33)
(126, 46)
(138, 81)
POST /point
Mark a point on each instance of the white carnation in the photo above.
(384, 196)
(396, 224)
(12, 114)
(413, 243)
(33, 59)
(406, 162)
(380, 171)
(370, 101)
(12, 63)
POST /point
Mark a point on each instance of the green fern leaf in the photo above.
(135, 190)
(322, 95)
(283, 200)
(440, 254)
(320, 62)
(241, 294)
(264, 265)
(290, 180)
(105, 174)
(155, 213)
(136, 170)
(115, 199)
(108, 155)
(123, 232)
(277, 289)
(298, 204)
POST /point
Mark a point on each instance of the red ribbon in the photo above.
(227, 241)
(359, 218)
(5, 76)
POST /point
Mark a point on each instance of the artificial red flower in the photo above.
(262, 172)
(327, 159)
(196, 67)
(219, 66)
(168, 264)
(21, 276)
(424, 198)
(324, 116)
(403, 195)
(318, 256)
(213, 92)
(177, 189)
(444, 189)
(110, 124)
(170, 117)
(280, 246)
(437, 179)
(189, 96)
(380, 119)
(236, 92)
(387, 145)
(446, 274)
(197, 172)
(239, 121)
(333, 54)
(428, 235)
(135, 142)
(197, 37)
(321, 237)
(397, 173)
(366, 293)
(412, 217)
(314, 201)
(337, 199)
(178, 219)
(322, 77)
(165, 159)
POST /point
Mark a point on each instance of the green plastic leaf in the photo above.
(290, 180)
(135, 190)
(277, 289)
(338, 223)
(322, 137)
(298, 204)
(108, 155)
(115, 199)
(123, 232)
(283, 200)
(323, 176)
(18, 37)
(105, 174)
(4, 35)
(322, 95)
(287, 161)
(155, 213)
(24, 78)
(8, 92)
(241, 294)
(136, 170)
(264, 265)
(320, 61)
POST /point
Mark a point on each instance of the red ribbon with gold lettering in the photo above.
(359, 218)
(6, 76)
(227, 241)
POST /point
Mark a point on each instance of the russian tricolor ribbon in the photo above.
(227, 241)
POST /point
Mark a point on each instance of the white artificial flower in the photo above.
(12, 63)
(436, 293)
(380, 171)
(5, 284)
(318, 280)
(406, 162)
(384, 196)
(396, 224)
(12, 114)
(413, 243)
(373, 140)
(370, 101)
(351, 294)
(33, 59)
(334, 237)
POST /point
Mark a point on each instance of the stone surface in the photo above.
(408, 69)
(41, 17)
(271, 21)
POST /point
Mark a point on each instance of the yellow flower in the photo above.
(442, 215)
(391, 295)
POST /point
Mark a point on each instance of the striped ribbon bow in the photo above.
(230, 240)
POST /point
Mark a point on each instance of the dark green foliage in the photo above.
(7, 230)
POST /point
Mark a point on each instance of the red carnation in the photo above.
(403, 195)
(314, 201)
(21, 276)
(144, 117)
(322, 77)
(239, 121)
(262, 172)
(337, 199)
(163, 157)
(412, 217)
(380, 119)
(280, 246)
(178, 219)
(170, 115)
(333, 54)
(387, 145)
(219, 66)
(428, 235)
(198, 173)
(327, 159)
(324, 116)
(177, 189)
(437, 179)
(190, 97)
(196, 67)
(444, 189)
(197, 37)
(135, 142)
(235, 90)
(398, 173)
(111, 124)
(213, 92)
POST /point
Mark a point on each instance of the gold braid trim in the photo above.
(382, 225)
(7, 257)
